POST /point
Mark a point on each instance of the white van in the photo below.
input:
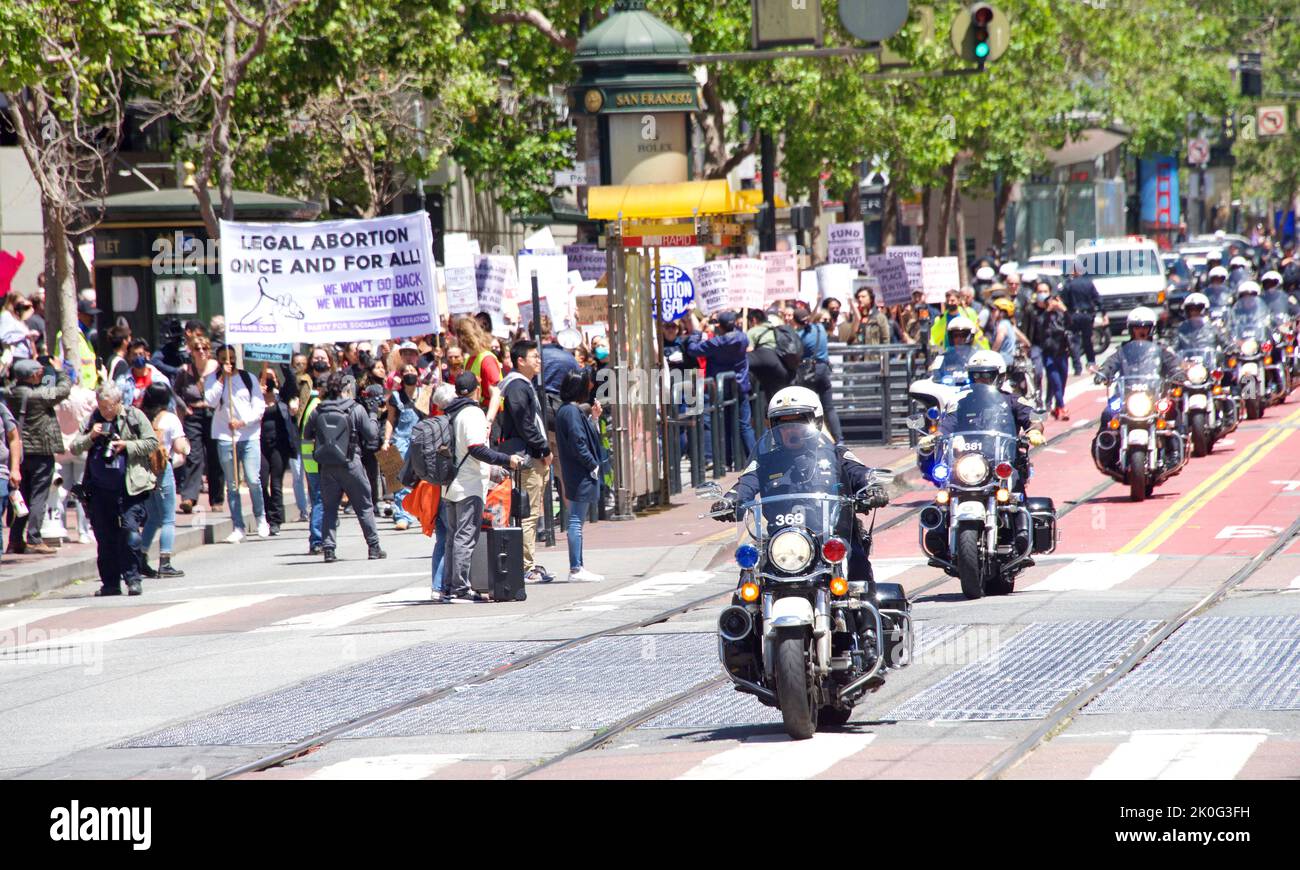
(1128, 274)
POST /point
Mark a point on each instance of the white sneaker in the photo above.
(235, 537)
(582, 575)
(263, 528)
(88, 538)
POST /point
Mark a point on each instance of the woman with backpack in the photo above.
(1052, 337)
(582, 461)
(400, 417)
(160, 510)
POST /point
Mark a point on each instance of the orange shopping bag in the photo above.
(496, 507)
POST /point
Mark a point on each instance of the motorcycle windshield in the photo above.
(981, 422)
(1139, 366)
(1249, 318)
(798, 483)
(952, 366)
(1206, 356)
(1219, 295)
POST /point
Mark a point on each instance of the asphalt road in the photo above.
(260, 648)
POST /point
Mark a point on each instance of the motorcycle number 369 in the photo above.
(790, 519)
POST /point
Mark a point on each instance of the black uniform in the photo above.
(1083, 301)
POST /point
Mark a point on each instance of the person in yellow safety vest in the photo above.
(953, 309)
(89, 371)
(311, 471)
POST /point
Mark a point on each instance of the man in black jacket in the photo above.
(338, 429)
(1083, 301)
(523, 431)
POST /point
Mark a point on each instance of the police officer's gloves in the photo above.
(926, 445)
(723, 510)
(874, 497)
(1036, 438)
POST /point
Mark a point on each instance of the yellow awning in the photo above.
(685, 199)
(753, 198)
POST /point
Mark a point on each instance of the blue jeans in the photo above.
(4, 496)
(315, 533)
(249, 454)
(400, 444)
(439, 551)
(1058, 370)
(161, 512)
(299, 484)
(577, 515)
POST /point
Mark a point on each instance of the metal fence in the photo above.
(869, 388)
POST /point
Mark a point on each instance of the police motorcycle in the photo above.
(1207, 410)
(982, 527)
(1139, 443)
(1282, 307)
(1260, 376)
(1219, 296)
(947, 376)
(808, 630)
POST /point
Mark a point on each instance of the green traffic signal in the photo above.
(980, 33)
(981, 50)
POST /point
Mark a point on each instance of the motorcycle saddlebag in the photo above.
(1042, 512)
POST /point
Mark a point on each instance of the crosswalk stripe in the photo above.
(883, 571)
(779, 757)
(349, 613)
(1094, 572)
(156, 620)
(1180, 754)
(17, 617)
(389, 767)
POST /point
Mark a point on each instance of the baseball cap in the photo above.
(466, 383)
(25, 368)
(727, 318)
(408, 345)
(802, 315)
(85, 306)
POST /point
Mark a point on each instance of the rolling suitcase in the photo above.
(497, 567)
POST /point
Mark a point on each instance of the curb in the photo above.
(64, 572)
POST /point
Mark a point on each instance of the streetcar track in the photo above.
(1063, 714)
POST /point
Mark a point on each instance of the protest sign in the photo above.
(274, 353)
(912, 256)
(713, 285)
(591, 306)
(835, 281)
(748, 283)
(587, 259)
(891, 274)
(676, 292)
(552, 284)
(938, 276)
(808, 289)
(781, 276)
(848, 244)
(496, 281)
(329, 281)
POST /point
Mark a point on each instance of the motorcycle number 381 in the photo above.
(790, 519)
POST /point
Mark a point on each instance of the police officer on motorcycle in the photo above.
(1278, 300)
(1217, 291)
(1141, 324)
(960, 332)
(1196, 331)
(800, 406)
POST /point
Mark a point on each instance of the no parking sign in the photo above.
(677, 291)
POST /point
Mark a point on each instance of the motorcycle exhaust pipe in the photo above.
(735, 623)
(931, 518)
(1106, 441)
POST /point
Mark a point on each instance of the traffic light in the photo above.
(981, 33)
(1229, 127)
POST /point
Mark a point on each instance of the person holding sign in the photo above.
(815, 371)
(727, 351)
(238, 405)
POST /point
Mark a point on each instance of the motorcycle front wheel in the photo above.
(794, 688)
(968, 562)
(1137, 475)
(1200, 435)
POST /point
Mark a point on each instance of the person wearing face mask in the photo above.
(202, 460)
(1051, 337)
(279, 439)
(1197, 331)
(952, 309)
(143, 372)
(319, 369)
(289, 394)
(400, 417)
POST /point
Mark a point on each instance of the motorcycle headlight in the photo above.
(1139, 405)
(790, 551)
(1249, 347)
(971, 469)
(1196, 373)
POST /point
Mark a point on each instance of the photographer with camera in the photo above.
(119, 443)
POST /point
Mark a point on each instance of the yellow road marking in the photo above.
(1171, 520)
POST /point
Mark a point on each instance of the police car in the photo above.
(1128, 274)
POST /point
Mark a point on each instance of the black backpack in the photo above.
(333, 436)
(431, 456)
(788, 347)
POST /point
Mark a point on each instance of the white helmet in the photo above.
(1195, 299)
(960, 323)
(1239, 262)
(985, 273)
(1007, 269)
(984, 362)
(792, 401)
(1271, 275)
(1247, 288)
(1141, 317)
(1219, 272)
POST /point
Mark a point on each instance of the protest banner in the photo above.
(329, 281)
(781, 276)
(835, 281)
(912, 256)
(848, 244)
(748, 283)
(938, 276)
(713, 286)
(587, 259)
(891, 274)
